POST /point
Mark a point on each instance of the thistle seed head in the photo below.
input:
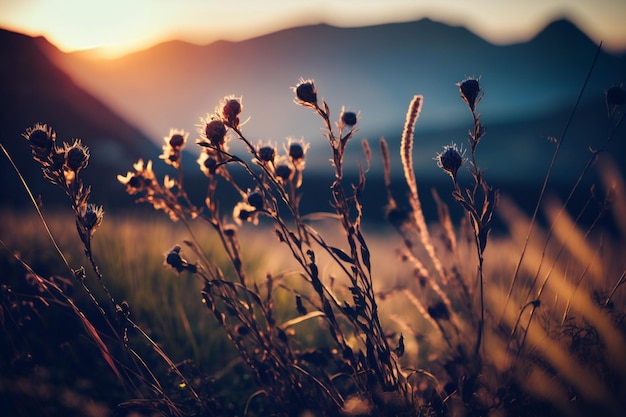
(76, 156)
(215, 132)
(296, 151)
(471, 92)
(284, 172)
(176, 141)
(91, 217)
(306, 93)
(174, 144)
(40, 136)
(266, 153)
(231, 108)
(256, 199)
(451, 159)
(348, 118)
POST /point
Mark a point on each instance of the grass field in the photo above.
(265, 310)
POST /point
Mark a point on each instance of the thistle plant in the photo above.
(363, 362)
(62, 165)
(468, 363)
(480, 199)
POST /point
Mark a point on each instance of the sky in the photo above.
(123, 26)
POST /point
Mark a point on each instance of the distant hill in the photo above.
(529, 88)
(33, 89)
(375, 70)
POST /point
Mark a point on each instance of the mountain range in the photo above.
(529, 87)
(34, 90)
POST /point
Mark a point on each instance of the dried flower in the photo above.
(256, 199)
(91, 217)
(297, 149)
(347, 118)
(76, 156)
(306, 93)
(470, 92)
(174, 144)
(231, 108)
(284, 171)
(451, 159)
(266, 152)
(215, 132)
(40, 136)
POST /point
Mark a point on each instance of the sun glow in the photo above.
(118, 26)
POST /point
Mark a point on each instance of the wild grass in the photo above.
(261, 309)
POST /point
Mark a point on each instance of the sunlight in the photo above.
(117, 27)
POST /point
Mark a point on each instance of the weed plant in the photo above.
(480, 331)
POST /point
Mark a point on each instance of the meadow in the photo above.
(260, 309)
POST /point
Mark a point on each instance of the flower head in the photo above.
(296, 150)
(42, 141)
(174, 144)
(91, 217)
(266, 152)
(256, 199)
(471, 92)
(40, 136)
(347, 118)
(215, 132)
(76, 156)
(230, 108)
(306, 93)
(451, 159)
(284, 170)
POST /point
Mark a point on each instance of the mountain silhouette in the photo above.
(34, 90)
(530, 89)
(375, 70)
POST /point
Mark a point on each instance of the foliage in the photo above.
(323, 334)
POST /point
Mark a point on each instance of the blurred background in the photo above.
(120, 75)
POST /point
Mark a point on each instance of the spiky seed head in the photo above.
(230, 111)
(450, 159)
(306, 93)
(296, 151)
(92, 217)
(77, 156)
(348, 118)
(470, 92)
(256, 199)
(267, 153)
(284, 172)
(215, 131)
(177, 140)
(40, 136)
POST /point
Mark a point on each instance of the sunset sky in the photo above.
(121, 26)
